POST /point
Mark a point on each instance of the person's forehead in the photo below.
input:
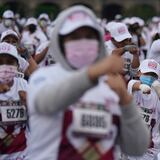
(11, 36)
(125, 40)
(150, 73)
(84, 29)
(6, 56)
(8, 59)
(83, 32)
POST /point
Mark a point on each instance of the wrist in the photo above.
(99, 69)
(136, 55)
(27, 55)
(93, 74)
(121, 51)
(118, 51)
(125, 49)
(125, 99)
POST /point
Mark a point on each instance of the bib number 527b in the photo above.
(13, 114)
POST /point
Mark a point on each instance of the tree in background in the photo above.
(16, 7)
(144, 11)
(51, 9)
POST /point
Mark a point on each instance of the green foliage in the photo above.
(3, 8)
(144, 11)
(16, 7)
(50, 8)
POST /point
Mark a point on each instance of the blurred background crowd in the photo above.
(104, 8)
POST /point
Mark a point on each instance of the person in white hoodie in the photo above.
(76, 111)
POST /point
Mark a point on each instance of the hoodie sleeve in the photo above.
(130, 85)
(58, 97)
(133, 143)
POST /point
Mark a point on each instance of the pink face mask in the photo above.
(7, 73)
(81, 53)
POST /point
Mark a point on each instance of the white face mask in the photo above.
(7, 73)
(8, 22)
(81, 53)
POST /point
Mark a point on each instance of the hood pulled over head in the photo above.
(66, 24)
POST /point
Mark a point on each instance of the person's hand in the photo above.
(23, 95)
(117, 83)
(132, 49)
(4, 88)
(21, 49)
(145, 88)
(23, 52)
(111, 64)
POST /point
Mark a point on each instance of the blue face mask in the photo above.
(148, 80)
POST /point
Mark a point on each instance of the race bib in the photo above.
(88, 122)
(13, 114)
(146, 115)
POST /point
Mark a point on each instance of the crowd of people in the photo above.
(79, 87)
